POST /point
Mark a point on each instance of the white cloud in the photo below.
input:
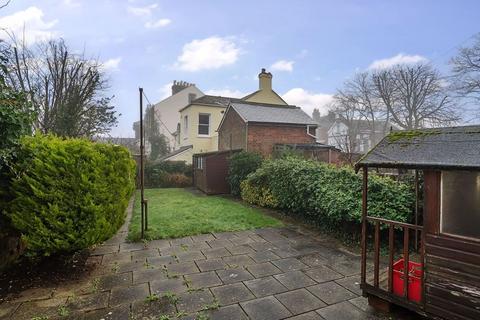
(396, 60)
(308, 100)
(210, 53)
(157, 24)
(226, 93)
(29, 25)
(142, 11)
(72, 3)
(282, 65)
(112, 64)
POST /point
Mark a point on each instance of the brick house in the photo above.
(258, 127)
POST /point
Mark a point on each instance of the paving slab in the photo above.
(153, 309)
(211, 264)
(313, 259)
(264, 256)
(300, 301)
(289, 264)
(114, 280)
(232, 312)
(267, 308)
(115, 313)
(216, 252)
(146, 275)
(203, 280)
(194, 301)
(342, 311)
(323, 274)
(307, 316)
(240, 249)
(234, 275)
(265, 286)
(260, 270)
(160, 287)
(88, 302)
(294, 279)
(351, 283)
(129, 294)
(182, 268)
(239, 261)
(331, 292)
(190, 256)
(232, 293)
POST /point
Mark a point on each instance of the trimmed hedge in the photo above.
(324, 193)
(68, 194)
(168, 174)
(241, 164)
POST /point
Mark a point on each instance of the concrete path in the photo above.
(264, 274)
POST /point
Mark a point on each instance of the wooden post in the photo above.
(416, 210)
(391, 249)
(142, 152)
(405, 261)
(376, 268)
(364, 226)
(145, 202)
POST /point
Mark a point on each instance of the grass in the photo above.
(174, 213)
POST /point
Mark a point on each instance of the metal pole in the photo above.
(141, 162)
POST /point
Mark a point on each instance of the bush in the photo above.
(69, 194)
(325, 194)
(168, 174)
(241, 164)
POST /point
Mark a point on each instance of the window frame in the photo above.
(440, 213)
(200, 125)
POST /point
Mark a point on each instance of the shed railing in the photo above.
(376, 285)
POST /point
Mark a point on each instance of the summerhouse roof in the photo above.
(448, 148)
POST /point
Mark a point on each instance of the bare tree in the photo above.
(66, 89)
(466, 72)
(415, 96)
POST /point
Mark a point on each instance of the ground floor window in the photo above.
(460, 203)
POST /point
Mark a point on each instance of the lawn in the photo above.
(174, 213)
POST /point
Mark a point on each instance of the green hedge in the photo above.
(241, 164)
(324, 193)
(168, 174)
(68, 194)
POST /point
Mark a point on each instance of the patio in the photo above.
(270, 273)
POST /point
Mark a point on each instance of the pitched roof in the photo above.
(174, 153)
(451, 147)
(215, 100)
(248, 96)
(270, 113)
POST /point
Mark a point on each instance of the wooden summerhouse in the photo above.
(210, 171)
(442, 254)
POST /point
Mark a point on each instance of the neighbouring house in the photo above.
(200, 119)
(258, 127)
(166, 111)
(314, 151)
(351, 135)
(210, 170)
(444, 275)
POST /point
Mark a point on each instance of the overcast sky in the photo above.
(311, 47)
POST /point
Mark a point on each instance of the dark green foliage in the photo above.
(16, 118)
(327, 194)
(240, 166)
(69, 194)
(168, 174)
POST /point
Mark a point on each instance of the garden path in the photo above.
(263, 274)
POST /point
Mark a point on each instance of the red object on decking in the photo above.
(414, 280)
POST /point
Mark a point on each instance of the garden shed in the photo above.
(210, 171)
(444, 273)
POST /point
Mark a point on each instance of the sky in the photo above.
(311, 47)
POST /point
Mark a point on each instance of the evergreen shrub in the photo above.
(68, 194)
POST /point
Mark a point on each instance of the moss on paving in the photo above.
(174, 213)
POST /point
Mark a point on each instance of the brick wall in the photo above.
(262, 138)
(232, 133)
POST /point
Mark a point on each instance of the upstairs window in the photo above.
(185, 124)
(204, 124)
(460, 204)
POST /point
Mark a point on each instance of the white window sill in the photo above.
(204, 136)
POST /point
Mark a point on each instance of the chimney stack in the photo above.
(179, 86)
(265, 80)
